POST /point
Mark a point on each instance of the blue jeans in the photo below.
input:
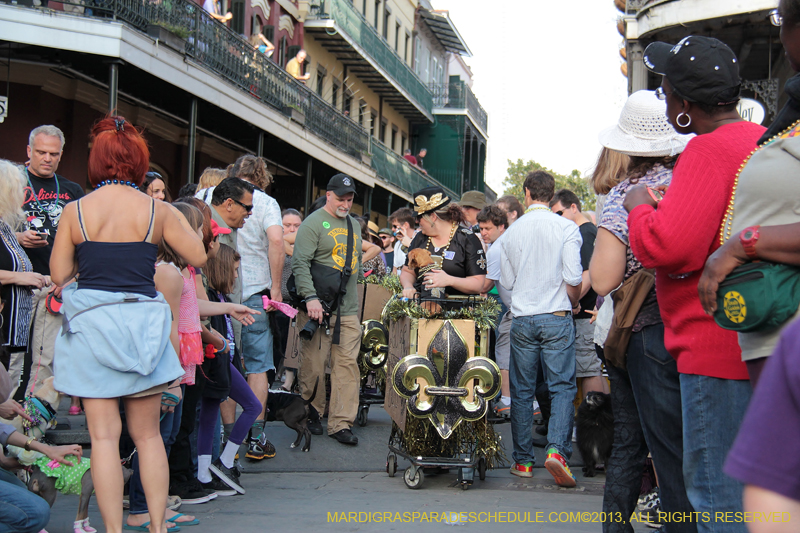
(548, 341)
(257, 343)
(646, 400)
(713, 409)
(21, 511)
(170, 425)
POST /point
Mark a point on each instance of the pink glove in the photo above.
(286, 309)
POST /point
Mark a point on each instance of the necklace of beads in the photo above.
(117, 182)
(535, 207)
(446, 246)
(727, 222)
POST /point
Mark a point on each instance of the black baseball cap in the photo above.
(701, 69)
(342, 184)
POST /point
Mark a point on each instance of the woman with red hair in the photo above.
(115, 341)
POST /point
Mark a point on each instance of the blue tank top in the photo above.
(117, 266)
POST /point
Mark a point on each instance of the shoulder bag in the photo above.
(628, 300)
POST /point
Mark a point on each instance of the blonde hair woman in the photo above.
(211, 178)
(16, 272)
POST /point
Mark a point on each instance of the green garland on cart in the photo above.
(484, 313)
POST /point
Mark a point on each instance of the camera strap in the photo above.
(346, 272)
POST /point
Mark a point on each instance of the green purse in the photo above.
(758, 296)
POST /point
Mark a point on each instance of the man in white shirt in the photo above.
(541, 266)
(260, 243)
(403, 222)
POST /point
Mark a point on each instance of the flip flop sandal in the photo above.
(145, 527)
(174, 519)
(169, 400)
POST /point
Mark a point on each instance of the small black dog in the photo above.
(594, 425)
(294, 412)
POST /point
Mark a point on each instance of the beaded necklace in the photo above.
(116, 182)
(446, 246)
(535, 207)
(727, 222)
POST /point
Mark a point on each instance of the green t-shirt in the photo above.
(322, 239)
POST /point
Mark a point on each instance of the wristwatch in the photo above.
(749, 237)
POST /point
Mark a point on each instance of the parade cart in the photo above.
(373, 296)
(440, 385)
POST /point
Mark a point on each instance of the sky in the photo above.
(548, 75)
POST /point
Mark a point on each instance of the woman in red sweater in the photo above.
(676, 236)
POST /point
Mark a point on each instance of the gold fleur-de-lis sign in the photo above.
(374, 344)
(448, 385)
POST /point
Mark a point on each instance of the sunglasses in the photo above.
(248, 208)
(385, 237)
(775, 17)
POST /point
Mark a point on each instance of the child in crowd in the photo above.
(223, 379)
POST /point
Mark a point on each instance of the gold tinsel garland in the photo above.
(421, 439)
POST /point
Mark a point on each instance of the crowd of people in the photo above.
(180, 305)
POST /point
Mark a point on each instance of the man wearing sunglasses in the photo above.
(387, 247)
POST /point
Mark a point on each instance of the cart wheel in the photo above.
(413, 477)
(363, 413)
(482, 468)
(465, 485)
(391, 464)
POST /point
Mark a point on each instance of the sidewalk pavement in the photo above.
(297, 491)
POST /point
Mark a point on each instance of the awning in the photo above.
(445, 31)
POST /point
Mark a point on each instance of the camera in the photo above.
(311, 326)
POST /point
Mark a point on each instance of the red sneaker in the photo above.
(522, 469)
(559, 469)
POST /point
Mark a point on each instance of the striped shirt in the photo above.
(18, 298)
(541, 255)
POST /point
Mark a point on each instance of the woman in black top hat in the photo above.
(456, 250)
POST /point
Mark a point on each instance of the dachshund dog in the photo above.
(594, 426)
(421, 261)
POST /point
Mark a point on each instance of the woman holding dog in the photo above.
(645, 395)
(457, 252)
(115, 341)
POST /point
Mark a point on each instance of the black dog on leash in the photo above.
(294, 412)
(594, 426)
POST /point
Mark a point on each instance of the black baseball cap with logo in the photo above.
(342, 184)
(701, 69)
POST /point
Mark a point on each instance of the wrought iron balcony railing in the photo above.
(217, 48)
(353, 23)
(395, 169)
(457, 94)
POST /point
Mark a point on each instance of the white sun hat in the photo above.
(643, 129)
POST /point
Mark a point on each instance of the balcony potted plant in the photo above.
(294, 112)
(169, 34)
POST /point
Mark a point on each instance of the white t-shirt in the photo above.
(493, 260)
(253, 243)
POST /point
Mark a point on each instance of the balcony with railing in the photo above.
(187, 28)
(338, 26)
(396, 170)
(456, 94)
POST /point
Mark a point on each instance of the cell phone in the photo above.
(655, 194)
(42, 234)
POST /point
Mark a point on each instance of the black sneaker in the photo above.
(345, 436)
(260, 448)
(191, 495)
(220, 488)
(229, 476)
(315, 426)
